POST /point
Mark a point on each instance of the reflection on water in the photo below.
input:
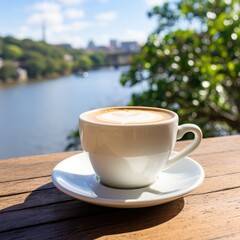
(35, 118)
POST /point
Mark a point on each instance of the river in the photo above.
(35, 118)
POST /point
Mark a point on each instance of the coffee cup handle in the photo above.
(182, 129)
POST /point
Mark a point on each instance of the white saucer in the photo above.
(76, 177)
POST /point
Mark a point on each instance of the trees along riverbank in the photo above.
(28, 60)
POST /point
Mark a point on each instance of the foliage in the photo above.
(83, 62)
(36, 65)
(65, 67)
(42, 60)
(11, 51)
(8, 71)
(73, 141)
(98, 58)
(1, 47)
(191, 63)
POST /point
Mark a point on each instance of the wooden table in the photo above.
(32, 208)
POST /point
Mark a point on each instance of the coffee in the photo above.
(127, 116)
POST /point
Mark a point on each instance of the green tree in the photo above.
(83, 62)
(52, 66)
(1, 46)
(35, 64)
(65, 67)
(12, 52)
(8, 71)
(73, 141)
(98, 59)
(43, 48)
(191, 64)
(12, 40)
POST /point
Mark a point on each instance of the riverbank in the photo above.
(13, 82)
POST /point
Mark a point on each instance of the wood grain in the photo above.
(195, 217)
(32, 208)
(49, 194)
(30, 167)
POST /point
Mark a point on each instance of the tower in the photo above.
(43, 31)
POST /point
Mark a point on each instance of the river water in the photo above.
(35, 118)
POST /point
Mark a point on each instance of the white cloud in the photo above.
(53, 16)
(74, 40)
(72, 13)
(154, 2)
(68, 33)
(101, 24)
(47, 18)
(68, 28)
(106, 16)
(71, 2)
(23, 32)
(78, 26)
(103, 39)
(135, 35)
(63, 25)
(46, 6)
(47, 12)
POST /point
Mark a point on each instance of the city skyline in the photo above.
(77, 21)
(115, 45)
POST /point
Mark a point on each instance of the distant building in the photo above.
(91, 45)
(113, 44)
(130, 46)
(68, 58)
(1, 62)
(22, 75)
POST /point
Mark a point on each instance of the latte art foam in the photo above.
(127, 116)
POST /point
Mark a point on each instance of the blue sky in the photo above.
(77, 21)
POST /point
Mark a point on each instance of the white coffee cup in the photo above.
(131, 153)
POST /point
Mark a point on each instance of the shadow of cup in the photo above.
(48, 213)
